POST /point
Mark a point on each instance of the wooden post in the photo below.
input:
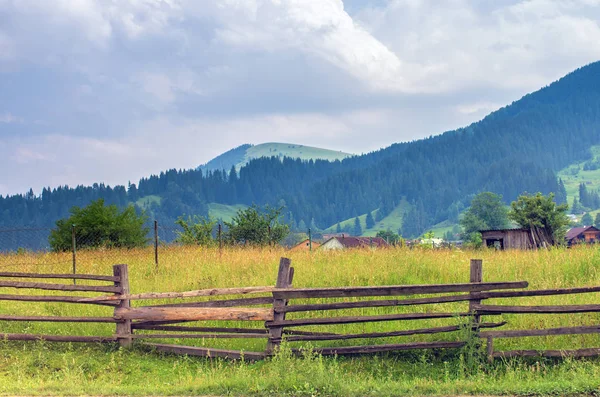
(476, 277)
(220, 238)
(285, 277)
(74, 250)
(156, 243)
(309, 240)
(490, 349)
(124, 332)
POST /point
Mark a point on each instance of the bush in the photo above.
(98, 225)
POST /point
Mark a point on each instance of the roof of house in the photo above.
(358, 242)
(576, 231)
(305, 243)
(513, 229)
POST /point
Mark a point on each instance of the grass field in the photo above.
(72, 369)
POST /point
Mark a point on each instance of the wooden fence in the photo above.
(274, 304)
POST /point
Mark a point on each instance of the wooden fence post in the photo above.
(476, 277)
(124, 332)
(74, 251)
(156, 243)
(285, 277)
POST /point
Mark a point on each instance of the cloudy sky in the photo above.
(113, 90)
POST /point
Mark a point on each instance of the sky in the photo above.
(114, 90)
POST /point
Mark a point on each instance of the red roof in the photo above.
(576, 231)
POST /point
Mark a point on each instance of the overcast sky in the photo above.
(113, 90)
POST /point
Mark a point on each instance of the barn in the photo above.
(507, 239)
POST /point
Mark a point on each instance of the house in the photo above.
(585, 234)
(343, 242)
(305, 245)
(507, 239)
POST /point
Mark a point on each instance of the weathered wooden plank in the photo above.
(361, 319)
(500, 309)
(59, 287)
(124, 330)
(375, 303)
(63, 276)
(351, 350)
(194, 313)
(55, 319)
(175, 328)
(547, 353)
(200, 336)
(267, 300)
(52, 298)
(206, 352)
(435, 330)
(58, 338)
(340, 292)
(187, 294)
(593, 329)
(538, 292)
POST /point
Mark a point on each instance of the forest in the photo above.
(516, 149)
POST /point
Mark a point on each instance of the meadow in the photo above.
(42, 368)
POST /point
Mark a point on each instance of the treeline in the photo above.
(517, 149)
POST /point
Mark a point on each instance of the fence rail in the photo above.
(164, 321)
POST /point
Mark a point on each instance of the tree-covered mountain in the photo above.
(515, 149)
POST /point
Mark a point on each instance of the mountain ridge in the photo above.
(517, 148)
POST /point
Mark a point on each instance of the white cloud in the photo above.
(8, 118)
(129, 87)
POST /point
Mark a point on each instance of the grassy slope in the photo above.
(392, 222)
(242, 155)
(574, 174)
(146, 201)
(223, 211)
(293, 150)
(50, 369)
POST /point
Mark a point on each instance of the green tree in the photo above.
(98, 225)
(197, 230)
(541, 212)
(389, 236)
(597, 220)
(370, 221)
(587, 219)
(486, 212)
(357, 230)
(256, 226)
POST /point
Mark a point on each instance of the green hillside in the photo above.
(223, 211)
(574, 174)
(241, 155)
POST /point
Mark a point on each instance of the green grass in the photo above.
(146, 201)
(293, 150)
(574, 174)
(223, 211)
(75, 369)
(393, 221)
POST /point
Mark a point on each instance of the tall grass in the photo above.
(80, 369)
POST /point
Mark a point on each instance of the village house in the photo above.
(585, 234)
(343, 242)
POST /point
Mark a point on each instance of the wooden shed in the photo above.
(507, 239)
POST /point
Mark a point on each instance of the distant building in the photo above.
(305, 246)
(343, 242)
(585, 234)
(507, 239)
